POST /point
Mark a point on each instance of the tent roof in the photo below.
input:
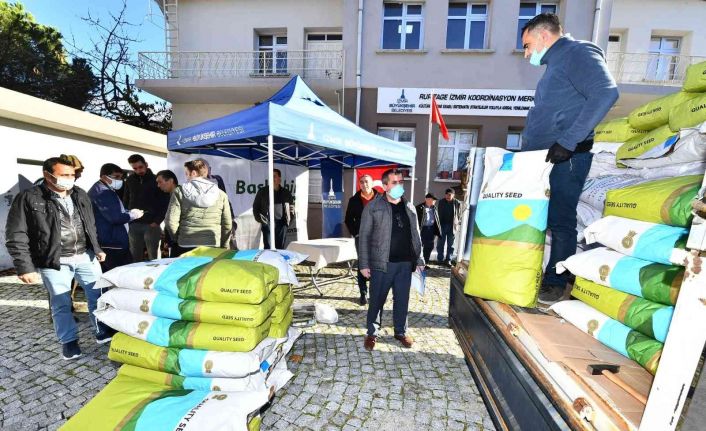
(305, 131)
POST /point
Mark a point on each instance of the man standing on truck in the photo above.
(572, 97)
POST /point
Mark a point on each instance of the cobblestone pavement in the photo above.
(337, 384)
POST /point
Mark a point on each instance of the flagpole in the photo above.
(431, 110)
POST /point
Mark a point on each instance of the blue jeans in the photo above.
(566, 181)
(447, 236)
(428, 236)
(399, 278)
(86, 269)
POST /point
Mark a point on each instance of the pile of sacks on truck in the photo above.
(202, 339)
(634, 217)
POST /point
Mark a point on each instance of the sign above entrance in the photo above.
(480, 102)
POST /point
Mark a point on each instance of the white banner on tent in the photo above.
(243, 179)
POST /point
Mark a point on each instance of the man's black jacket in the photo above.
(354, 212)
(141, 192)
(33, 228)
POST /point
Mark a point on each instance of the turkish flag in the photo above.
(438, 119)
(376, 173)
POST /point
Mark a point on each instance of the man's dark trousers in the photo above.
(399, 278)
(115, 257)
(280, 234)
(566, 181)
(447, 237)
(427, 234)
(362, 281)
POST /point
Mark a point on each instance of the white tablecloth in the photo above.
(323, 252)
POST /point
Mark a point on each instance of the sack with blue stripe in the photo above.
(200, 278)
(653, 281)
(180, 333)
(647, 241)
(283, 260)
(632, 344)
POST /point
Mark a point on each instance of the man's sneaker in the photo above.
(369, 342)
(71, 350)
(406, 340)
(549, 295)
(105, 333)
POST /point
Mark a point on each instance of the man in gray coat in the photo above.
(390, 249)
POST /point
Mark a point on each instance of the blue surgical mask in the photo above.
(536, 57)
(396, 192)
(115, 184)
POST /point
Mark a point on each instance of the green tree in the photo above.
(33, 61)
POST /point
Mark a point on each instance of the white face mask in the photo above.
(64, 183)
(115, 184)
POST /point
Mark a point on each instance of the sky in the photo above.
(65, 15)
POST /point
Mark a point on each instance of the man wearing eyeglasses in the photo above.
(390, 249)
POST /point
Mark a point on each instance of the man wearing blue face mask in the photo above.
(111, 217)
(572, 97)
(389, 250)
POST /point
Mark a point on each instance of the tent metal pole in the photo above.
(426, 184)
(271, 188)
(355, 181)
(411, 193)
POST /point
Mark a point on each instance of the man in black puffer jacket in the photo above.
(51, 232)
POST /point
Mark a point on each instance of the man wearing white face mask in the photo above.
(389, 250)
(574, 94)
(51, 231)
(111, 217)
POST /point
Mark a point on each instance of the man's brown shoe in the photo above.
(369, 343)
(406, 340)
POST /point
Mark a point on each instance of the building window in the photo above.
(664, 58)
(271, 55)
(514, 140)
(529, 10)
(402, 26)
(399, 134)
(467, 25)
(453, 154)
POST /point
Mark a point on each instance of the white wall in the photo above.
(638, 19)
(187, 114)
(39, 143)
(229, 25)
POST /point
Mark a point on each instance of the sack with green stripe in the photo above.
(509, 228)
(655, 282)
(283, 260)
(661, 137)
(695, 80)
(162, 305)
(646, 317)
(655, 114)
(282, 309)
(255, 382)
(666, 201)
(201, 278)
(632, 344)
(688, 114)
(618, 130)
(201, 363)
(131, 404)
(652, 242)
(187, 335)
(279, 330)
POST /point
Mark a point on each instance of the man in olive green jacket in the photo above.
(198, 213)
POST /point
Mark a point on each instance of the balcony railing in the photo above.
(650, 69)
(251, 64)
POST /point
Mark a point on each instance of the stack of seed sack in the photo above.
(627, 288)
(661, 139)
(201, 338)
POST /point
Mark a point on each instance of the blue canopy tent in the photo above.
(293, 126)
